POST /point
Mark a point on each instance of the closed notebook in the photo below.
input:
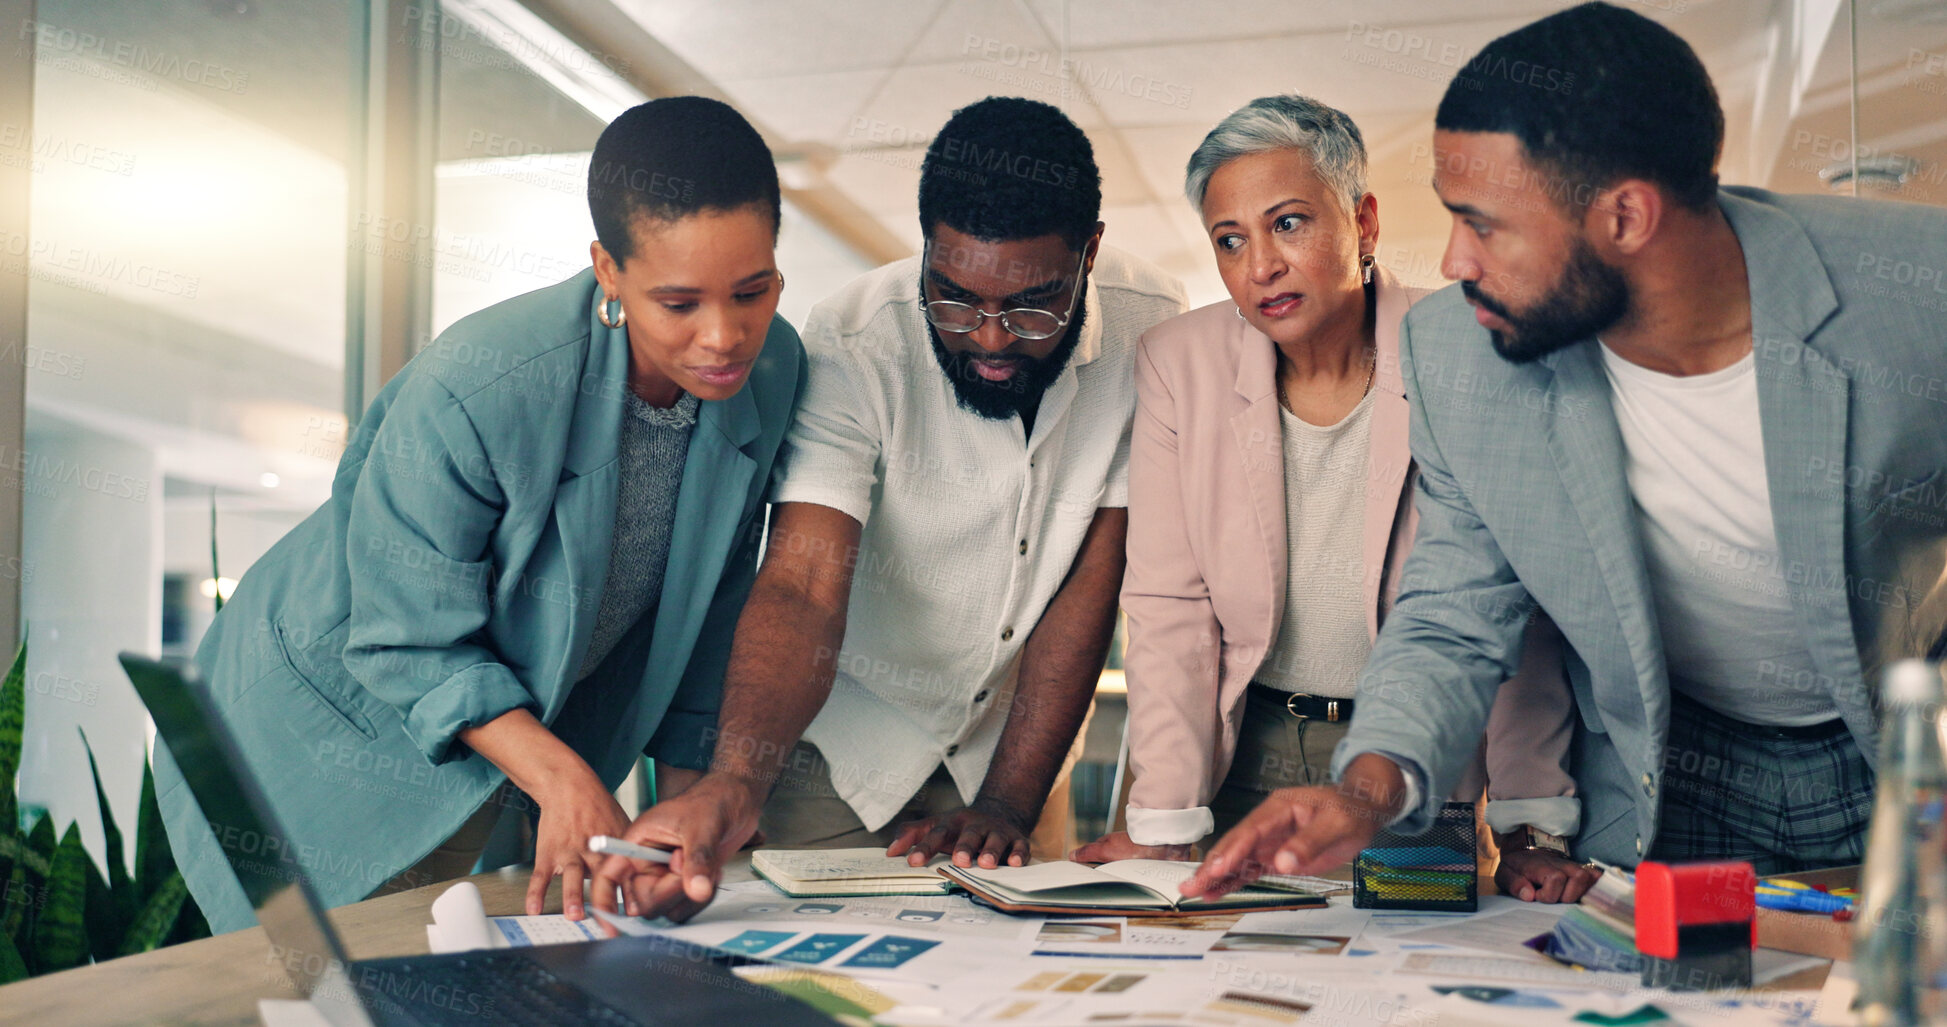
(817, 873)
(1128, 887)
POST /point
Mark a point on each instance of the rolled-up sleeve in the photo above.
(1528, 737)
(420, 560)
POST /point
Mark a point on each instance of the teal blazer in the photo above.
(453, 576)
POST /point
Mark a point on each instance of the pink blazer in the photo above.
(1205, 584)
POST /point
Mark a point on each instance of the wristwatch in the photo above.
(1529, 836)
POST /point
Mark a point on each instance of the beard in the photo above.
(1019, 395)
(1589, 297)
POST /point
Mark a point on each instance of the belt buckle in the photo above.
(1332, 710)
(1293, 710)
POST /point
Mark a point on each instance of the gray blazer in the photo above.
(1523, 503)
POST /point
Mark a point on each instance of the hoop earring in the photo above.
(1366, 263)
(1239, 311)
(601, 312)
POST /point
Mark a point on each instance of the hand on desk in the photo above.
(569, 818)
(1118, 845)
(1303, 830)
(1536, 875)
(989, 834)
(574, 804)
(708, 822)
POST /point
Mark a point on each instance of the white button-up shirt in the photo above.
(969, 528)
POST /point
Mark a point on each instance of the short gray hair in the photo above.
(1284, 122)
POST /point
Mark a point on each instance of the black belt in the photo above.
(1308, 707)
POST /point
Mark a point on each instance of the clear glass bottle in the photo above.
(1899, 943)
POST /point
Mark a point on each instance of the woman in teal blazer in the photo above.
(473, 616)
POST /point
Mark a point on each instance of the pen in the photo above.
(609, 846)
(1797, 898)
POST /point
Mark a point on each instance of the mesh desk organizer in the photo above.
(1431, 872)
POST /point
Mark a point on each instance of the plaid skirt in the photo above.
(1782, 799)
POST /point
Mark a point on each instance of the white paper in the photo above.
(290, 1012)
(1338, 918)
(1521, 971)
(953, 915)
(460, 921)
(1835, 999)
(1070, 991)
(1176, 938)
(521, 931)
(885, 951)
(845, 864)
(1503, 932)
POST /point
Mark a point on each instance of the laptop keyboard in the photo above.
(480, 988)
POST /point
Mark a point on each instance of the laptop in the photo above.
(644, 980)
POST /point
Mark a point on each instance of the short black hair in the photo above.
(672, 157)
(1010, 168)
(1597, 94)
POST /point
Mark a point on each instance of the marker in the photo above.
(1797, 897)
(608, 846)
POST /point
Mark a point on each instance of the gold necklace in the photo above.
(1372, 367)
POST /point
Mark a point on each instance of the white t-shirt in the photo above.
(1322, 643)
(969, 527)
(1695, 451)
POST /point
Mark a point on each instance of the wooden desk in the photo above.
(219, 980)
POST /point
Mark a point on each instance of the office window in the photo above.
(186, 339)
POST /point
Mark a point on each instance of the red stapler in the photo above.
(1696, 924)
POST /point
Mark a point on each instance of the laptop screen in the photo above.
(302, 941)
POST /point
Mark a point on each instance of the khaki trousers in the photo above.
(805, 812)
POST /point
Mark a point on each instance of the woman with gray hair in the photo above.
(1270, 511)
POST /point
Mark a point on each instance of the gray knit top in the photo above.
(654, 446)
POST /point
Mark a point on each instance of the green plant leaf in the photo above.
(120, 888)
(153, 860)
(15, 847)
(60, 931)
(105, 928)
(157, 917)
(190, 924)
(26, 885)
(12, 967)
(13, 722)
(216, 575)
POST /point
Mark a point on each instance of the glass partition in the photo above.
(186, 339)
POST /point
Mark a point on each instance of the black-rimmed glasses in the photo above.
(1020, 322)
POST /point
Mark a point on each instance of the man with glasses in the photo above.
(940, 582)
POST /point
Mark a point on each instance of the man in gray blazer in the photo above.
(1702, 428)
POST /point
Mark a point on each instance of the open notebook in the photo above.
(814, 873)
(1127, 887)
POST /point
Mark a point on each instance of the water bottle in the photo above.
(1899, 946)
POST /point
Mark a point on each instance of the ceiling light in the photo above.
(211, 586)
(1918, 12)
(580, 76)
(1884, 173)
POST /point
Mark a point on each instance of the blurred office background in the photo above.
(227, 222)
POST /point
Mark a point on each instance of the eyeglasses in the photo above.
(1020, 322)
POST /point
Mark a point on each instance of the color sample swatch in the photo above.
(889, 952)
